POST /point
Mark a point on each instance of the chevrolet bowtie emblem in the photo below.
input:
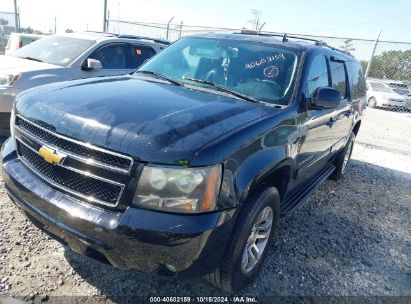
(51, 156)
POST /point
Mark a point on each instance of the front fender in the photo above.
(255, 168)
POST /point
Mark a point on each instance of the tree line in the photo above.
(395, 65)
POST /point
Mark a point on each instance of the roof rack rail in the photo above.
(285, 38)
(162, 41)
(126, 36)
(102, 33)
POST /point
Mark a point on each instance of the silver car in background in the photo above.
(387, 94)
(66, 57)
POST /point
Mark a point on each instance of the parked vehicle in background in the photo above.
(3, 39)
(18, 40)
(399, 87)
(69, 56)
(184, 167)
(388, 94)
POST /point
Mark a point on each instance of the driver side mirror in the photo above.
(92, 65)
(324, 98)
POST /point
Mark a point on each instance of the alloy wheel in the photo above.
(257, 240)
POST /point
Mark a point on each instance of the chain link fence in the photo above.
(387, 122)
(7, 25)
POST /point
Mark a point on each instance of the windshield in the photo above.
(380, 87)
(262, 71)
(59, 50)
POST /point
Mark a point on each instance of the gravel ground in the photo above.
(349, 238)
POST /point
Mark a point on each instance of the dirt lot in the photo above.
(350, 238)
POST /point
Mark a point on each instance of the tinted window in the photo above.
(113, 56)
(27, 40)
(59, 50)
(338, 77)
(356, 80)
(140, 54)
(380, 87)
(318, 75)
(263, 71)
(399, 88)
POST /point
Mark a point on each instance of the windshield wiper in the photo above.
(172, 81)
(31, 58)
(222, 89)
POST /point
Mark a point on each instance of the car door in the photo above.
(115, 59)
(342, 115)
(315, 126)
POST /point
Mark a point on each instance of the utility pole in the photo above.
(256, 20)
(118, 17)
(105, 17)
(55, 24)
(16, 18)
(181, 30)
(168, 27)
(372, 55)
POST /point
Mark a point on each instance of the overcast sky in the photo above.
(349, 18)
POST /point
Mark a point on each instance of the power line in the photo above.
(362, 23)
(256, 21)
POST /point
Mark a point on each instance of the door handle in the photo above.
(331, 122)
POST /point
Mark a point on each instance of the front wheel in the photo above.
(343, 159)
(256, 225)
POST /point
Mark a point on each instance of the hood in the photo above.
(11, 64)
(151, 121)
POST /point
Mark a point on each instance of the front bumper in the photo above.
(138, 239)
(405, 104)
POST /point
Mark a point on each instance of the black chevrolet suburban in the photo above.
(184, 167)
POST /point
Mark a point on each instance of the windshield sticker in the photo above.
(257, 63)
(271, 71)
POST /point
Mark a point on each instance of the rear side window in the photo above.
(356, 80)
(338, 77)
(317, 75)
(140, 54)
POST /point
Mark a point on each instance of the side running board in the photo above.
(295, 199)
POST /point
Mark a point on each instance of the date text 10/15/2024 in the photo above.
(204, 299)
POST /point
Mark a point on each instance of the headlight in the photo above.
(187, 190)
(8, 80)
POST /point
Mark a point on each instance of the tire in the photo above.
(233, 275)
(372, 102)
(343, 159)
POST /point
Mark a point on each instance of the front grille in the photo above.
(78, 184)
(105, 158)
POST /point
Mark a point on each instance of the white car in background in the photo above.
(18, 40)
(63, 57)
(380, 94)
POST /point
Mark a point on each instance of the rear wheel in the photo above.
(256, 225)
(343, 159)
(372, 102)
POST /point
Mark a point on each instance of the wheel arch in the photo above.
(267, 172)
(356, 128)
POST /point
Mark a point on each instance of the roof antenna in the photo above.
(285, 38)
